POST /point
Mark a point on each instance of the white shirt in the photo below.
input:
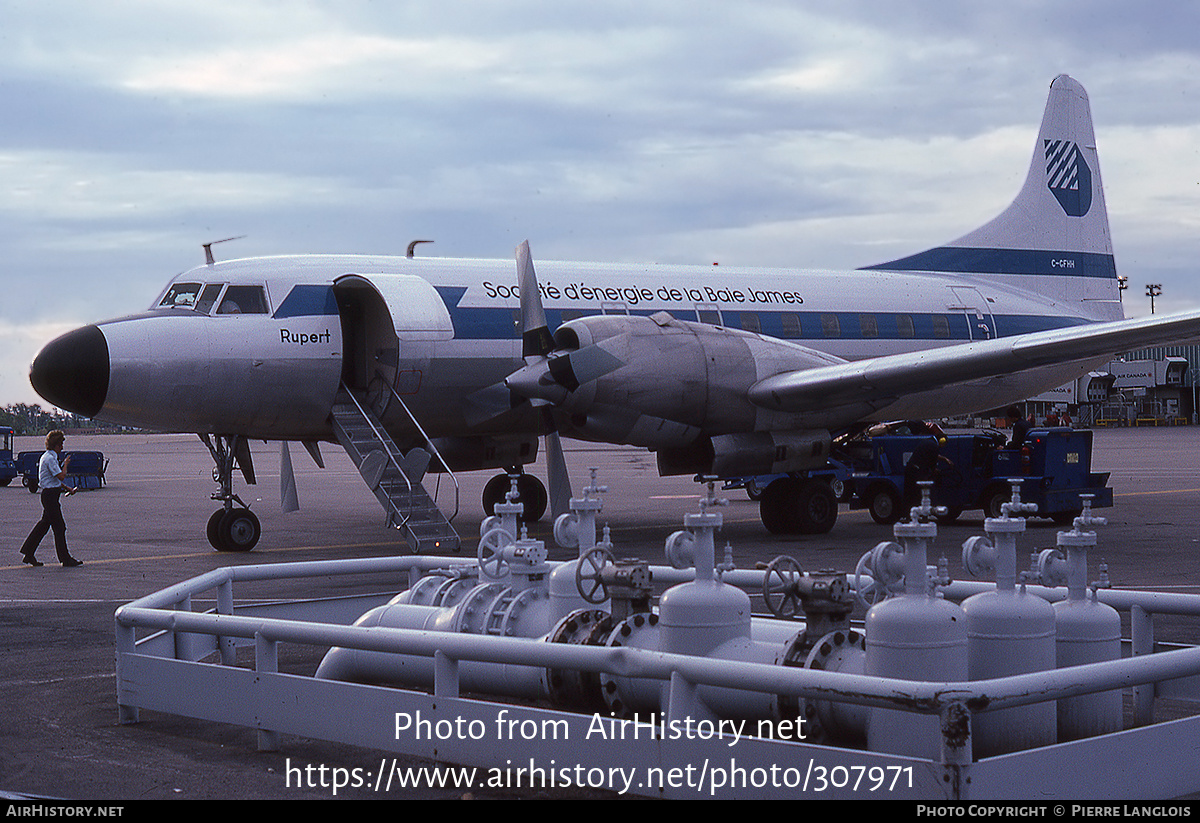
(49, 470)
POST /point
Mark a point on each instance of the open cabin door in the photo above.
(386, 321)
(389, 323)
(370, 346)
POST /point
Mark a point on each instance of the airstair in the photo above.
(394, 478)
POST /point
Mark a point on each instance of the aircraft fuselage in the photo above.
(439, 330)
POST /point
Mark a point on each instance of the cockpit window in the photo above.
(243, 300)
(180, 296)
(208, 298)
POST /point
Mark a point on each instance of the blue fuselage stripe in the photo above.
(959, 260)
(306, 300)
(503, 323)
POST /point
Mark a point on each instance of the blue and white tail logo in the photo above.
(1068, 177)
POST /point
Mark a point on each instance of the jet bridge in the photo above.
(571, 674)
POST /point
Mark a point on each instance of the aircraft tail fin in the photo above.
(1054, 238)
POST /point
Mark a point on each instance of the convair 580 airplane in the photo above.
(721, 371)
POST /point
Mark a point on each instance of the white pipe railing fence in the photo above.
(178, 633)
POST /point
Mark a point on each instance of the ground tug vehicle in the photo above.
(973, 471)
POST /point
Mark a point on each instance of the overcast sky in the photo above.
(813, 135)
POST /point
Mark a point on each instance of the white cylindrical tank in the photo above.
(1088, 632)
(913, 637)
(697, 617)
(916, 636)
(1010, 632)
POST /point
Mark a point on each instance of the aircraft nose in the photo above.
(72, 371)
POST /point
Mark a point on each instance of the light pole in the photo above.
(1153, 290)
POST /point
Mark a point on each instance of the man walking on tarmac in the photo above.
(50, 478)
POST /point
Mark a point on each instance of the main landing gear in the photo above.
(231, 528)
(530, 490)
(796, 505)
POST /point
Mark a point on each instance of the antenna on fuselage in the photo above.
(412, 248)
(208, 255)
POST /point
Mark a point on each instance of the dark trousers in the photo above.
(52, 518)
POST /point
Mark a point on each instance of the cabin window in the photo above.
(868, 326)
(180, 296)
(941, 326)
(791, 324)
(750, 322)
(905, 326)
(830, 326)
(244, 300)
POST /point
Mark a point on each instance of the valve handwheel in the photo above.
(492, 563)
(873, 592)
(781, 586)
(588, 579)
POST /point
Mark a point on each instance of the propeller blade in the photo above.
(481, 406)
(584, 365)
(289, 500)
(536, 382)
(546, 377)
(536, 345)
(536, 340)
(552, 379)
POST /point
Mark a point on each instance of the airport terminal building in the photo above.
(1147, 387)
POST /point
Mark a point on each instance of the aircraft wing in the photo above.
(882, 378)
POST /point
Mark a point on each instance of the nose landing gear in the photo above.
(231, 528)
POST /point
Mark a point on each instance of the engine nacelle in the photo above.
(471, 453)
(677, 383)
(752, 453)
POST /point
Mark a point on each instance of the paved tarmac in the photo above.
(145, 530)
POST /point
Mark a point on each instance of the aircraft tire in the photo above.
(531, 490)
(533, 494)
(238, 530)
(884, 504)
(213, 530)
(816, 507)
(776, 506)
(493, 493)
